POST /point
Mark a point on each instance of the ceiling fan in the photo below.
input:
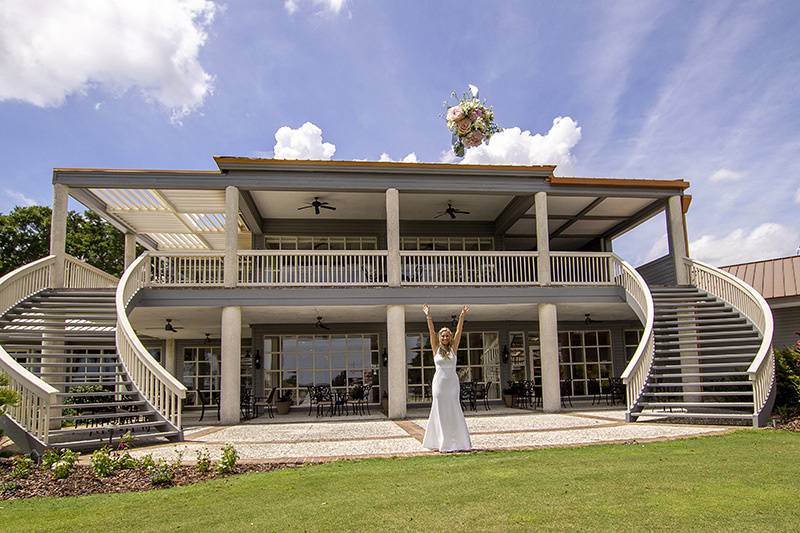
(208, 338)
(169, 327)
(452, 211)
(317, 205)
(589, 320)
(319, 324)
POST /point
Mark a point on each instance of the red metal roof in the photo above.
(773, 278)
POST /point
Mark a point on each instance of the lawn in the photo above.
(745, 480)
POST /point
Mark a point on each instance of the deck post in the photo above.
(548, 349)
(393, 268)
(170, 363)
(231, 268)
(542, 237)
(231, 365)
(676, 237)
(396, 345)
(130, 249)
(58, 233)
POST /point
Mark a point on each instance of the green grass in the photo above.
(746, 480)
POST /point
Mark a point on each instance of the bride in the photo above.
(447, 430)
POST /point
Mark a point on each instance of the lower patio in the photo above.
(298, 437)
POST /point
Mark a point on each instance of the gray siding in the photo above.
(787, 321)
(660, 271)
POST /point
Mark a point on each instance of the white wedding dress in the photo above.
(447, 430)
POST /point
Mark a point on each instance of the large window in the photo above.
(632, 339)
(291, 242)
(201, 371)
(516, 348)
(294, 362)
(478, 360)
(447, 243)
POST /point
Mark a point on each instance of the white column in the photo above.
(130, 249)
(231, 364)
(58, 233)
(542, 237)
(170, 363)
(676, 237)
(393, 237)
(396, 345)
(231, 235)
(548, 348)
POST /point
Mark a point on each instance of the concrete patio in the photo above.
(298, 437)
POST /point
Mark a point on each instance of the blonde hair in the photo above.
(440, 349)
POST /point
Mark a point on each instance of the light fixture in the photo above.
(208, 338)
(505, 353)
(385, 357)
(257, 360)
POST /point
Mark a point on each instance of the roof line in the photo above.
(223, 161)
(620, 182)
(137, 171)
(762, 261)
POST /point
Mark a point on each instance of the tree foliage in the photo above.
(25, 237)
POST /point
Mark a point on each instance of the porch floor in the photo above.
(298, 437)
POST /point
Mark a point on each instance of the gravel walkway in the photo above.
(310, 439)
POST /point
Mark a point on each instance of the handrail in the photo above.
(160, 388)
(466, 267)
(79, 274)
(754, 307)
(636, 373)
(32, 412)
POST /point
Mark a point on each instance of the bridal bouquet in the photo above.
(471, 121)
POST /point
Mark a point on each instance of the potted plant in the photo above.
(284, 402)
(508, 395)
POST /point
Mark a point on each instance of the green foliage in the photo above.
(103, 463)
(147, 461)
(203, 461)
(22, 467)
(162, 473)
(8, 396)
(9, 486)
(25, 237)
(787, 377)
(77, 401)
(61, 464)
(227, 464)
(124, 461)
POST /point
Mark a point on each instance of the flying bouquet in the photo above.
(471, 121)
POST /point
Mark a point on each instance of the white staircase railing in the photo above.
(641, 301)
(449, 268)
(747, 301)
(185, 269)
(160, 388)
(33, 410)
(583, 268)
(315, 268)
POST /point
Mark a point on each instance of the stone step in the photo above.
(104, 416)
(697, 404)
(710, 416)
(705, 384)
(690, 393)
(78, 406)
(96, 441)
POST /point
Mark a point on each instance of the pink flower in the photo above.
(463, 125)
(455, 113)
(473, 139)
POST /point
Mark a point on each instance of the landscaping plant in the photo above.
(162, 473)
(64, 464)
(22, 467)
(103, 463)
(227, 463)
(787, 377)
(203, 461)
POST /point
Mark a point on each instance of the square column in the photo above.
(542, 237)
(130, 249)
(231, 270)
(393, 237)
(396, 344)
(548, 348)
(58, 233)
(170, 362)
(230, 383)
(676, 238)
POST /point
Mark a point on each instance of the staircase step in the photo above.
(700, 375)
(104, 416)
(98, 338)
(720, 416)
(656, 367)
(84, 374)
(683, 299)
(697, 404)
(712, 349)
(703, 331)
(93, 442)
(55, 433)
(102, 344)
(94, 394)
(747, 356)
(42, 322)
(726, 319)
(51, 314)
(71, 365)
(131, 403)
(82, 383)
(744, 338)
(690, 393)
(702, 384)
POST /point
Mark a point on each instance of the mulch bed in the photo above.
(791, 425)
(82, 481)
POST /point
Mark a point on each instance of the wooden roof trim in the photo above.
(686, 201)
(223, 161)
(620, 182)
(135, 171)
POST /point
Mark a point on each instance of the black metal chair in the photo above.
(311, 399)
(203, 404)
(265, 403)
(617, 389)
(467, 394)
(519, 398)
(566, 392)
(323, 396)
(246, 403)
(533, 394)
(340, 402)
(482, 393)
(593, 387)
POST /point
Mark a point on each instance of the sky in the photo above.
(701, 90)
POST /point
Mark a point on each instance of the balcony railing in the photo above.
(369, 268)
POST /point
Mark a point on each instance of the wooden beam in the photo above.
(249, 211)
(577, 217)
(90, 201)
(587, 217)
(515, 209)
(637, 218)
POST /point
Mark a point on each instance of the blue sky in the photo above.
(705, 91)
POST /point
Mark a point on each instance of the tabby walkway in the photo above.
(498, 429)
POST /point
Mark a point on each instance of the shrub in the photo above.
(787, 377)
(9, 486)
(103, 463)
(22, 467)
(124, 461)
(147, 461)
(63, 467)
(49, 458)
(203, 461)
(162, 473)
(227, 463)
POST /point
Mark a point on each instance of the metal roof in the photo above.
(773, 278)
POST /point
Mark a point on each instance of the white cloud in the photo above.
(513, 146)
(659, 248)
(54, 49)
(725, 174)
(410, 158)
(797, 196)
(330, 6)
(20, 198)
(764, 242)
(304, 142)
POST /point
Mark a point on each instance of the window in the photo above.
(516, 348)
(584, 355)
(632, 339)
(292, 363)
(288, 242)
(447, 243)
(201, 372)
(478, 359)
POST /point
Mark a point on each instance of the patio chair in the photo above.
(246, 403)
(594, 389)
(340, 402)
(323, 396)
(266, 404)
(201, 398)
(482, 393)
(467, 394)
(566, 392)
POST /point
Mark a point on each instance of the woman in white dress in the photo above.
(447, 430)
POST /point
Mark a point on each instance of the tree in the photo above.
(25, 237)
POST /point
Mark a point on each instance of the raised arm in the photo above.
(431, 330)
(459, 328)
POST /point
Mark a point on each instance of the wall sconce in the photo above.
(257, 361)
(385, 357)
(504, 354)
